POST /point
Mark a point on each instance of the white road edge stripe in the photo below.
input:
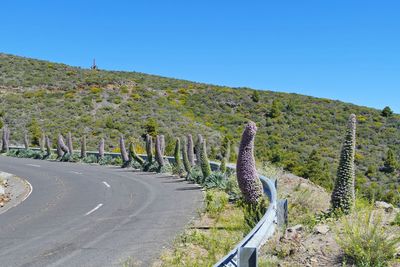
(75, 172)
(34, 165)
(93, 210)
(106, 184)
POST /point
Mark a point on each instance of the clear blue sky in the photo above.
(348, 50)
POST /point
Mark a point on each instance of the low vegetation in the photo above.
(299, 133)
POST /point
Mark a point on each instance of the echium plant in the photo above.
(69, 143)
(342, 198)
(124, 154)
(5, 139)
(101, 148)
(162, 144)
(48, 146)
(198, 149)
(190, 149)
(149, 147)
(204, 162)
(62, 149)
(247, 177)
(177, 156)
(42, 143)
(159, 155)
(186, 162)
(83, 147)
(26, 141)
(133, 155)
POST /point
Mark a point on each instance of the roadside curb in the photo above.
(18, 188)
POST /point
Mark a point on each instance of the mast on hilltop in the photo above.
(94, 66)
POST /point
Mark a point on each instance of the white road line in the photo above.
(93, 210)
(76, 172)
(34, 165)
(106, 184)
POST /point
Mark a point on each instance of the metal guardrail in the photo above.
(245, 253)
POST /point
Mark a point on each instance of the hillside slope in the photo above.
(300, 133)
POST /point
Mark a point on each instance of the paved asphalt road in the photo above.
(84, 215)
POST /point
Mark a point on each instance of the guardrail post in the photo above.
(247, 257)
(282, 212)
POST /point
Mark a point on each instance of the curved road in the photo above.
(86, 215)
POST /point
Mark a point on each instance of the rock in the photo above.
(2, 190)
(321, 229)
(296, 228)
(383, 205)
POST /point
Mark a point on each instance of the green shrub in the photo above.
(216, 201)
(365, 240)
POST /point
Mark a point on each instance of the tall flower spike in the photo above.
(248, 180)
(190, 150)
(149, 148)
(177, 154)
(26, 141)
(101, 148)
(69, 143)
(185, 157)
(42, 142)
(343, 193)
(61, 147)
(204, 162)
(162, 144)
(48, 146)
(198, 149)
(159, 155)
(124, 154)
(83, 147)
(5, 139)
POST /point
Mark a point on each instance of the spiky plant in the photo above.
(177, 156)
(101, 148)
(190, 150)
(159, 155)
(133, 155)
(5, 139)
(198, 149)
(69, 143)
(247, 177)
(83, 147)
(26, 141)
(342, 198)
(149, 148)
(204, 162)
(186, 162)
(124, 154)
